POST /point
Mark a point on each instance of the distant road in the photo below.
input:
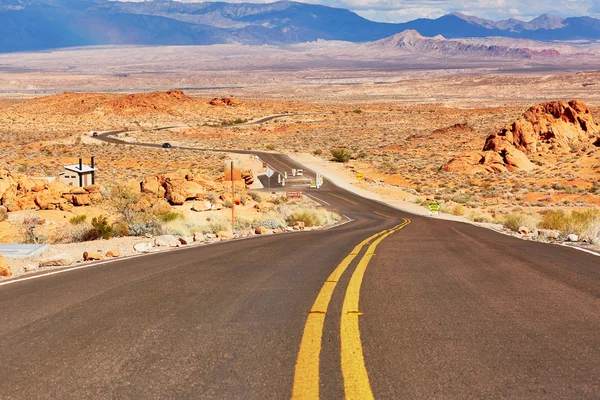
(391, 305)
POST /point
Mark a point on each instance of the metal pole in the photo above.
(232, 199)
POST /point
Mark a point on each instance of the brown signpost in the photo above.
(233, 173)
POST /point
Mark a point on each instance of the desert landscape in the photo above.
(508, 140)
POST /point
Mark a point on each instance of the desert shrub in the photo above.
(270, 147)
(227, 203)
(342, 155)
(514, 221)
(461, 199)
(458, 210)
(243, 223)
(255, 196)
(100, 229)
(212, 196)
(485, 218)
(78, 219)
(29, 225)
(120, 229)
(150, 227)
(3, 214)
(312, 217)
(72, 233)
(171, 216)
(269, 223)
(555, 219)
(317, 152)
(584, 222)
(243, 200)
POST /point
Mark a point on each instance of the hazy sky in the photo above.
(405, 10)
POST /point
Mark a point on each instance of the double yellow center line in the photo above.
(356, 380)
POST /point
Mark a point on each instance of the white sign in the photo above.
(269, 172)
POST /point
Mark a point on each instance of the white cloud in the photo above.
(404, 10)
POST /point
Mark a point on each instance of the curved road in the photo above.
(390, 306)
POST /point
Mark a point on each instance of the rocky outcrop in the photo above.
(551, 127)
(225, 101)
(19, 192)
(555, 127)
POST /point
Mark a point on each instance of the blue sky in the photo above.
(405, 10)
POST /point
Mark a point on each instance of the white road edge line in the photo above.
(579, 248)
(318, 199)
(68, 269)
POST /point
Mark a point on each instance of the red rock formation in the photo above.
(551, 127)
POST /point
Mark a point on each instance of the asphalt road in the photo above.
(430, 309)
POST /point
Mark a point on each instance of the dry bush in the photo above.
(584, 222)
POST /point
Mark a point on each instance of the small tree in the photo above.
(342, 155)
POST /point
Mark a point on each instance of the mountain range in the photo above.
(27, 25)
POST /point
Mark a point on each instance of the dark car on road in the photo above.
(166, 145)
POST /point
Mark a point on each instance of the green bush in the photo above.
(342, 155)
(100, 229)
(78, 219)
(171, 216)
(255, 196)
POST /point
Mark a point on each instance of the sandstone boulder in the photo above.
(143, 247)
(198, 237)
(4, 267)
(59, 260)
(573, 238)
(225, 235)
(166, 241)
(113, 253)
(261, 230)
(92, 256)
(81, 200)
(186, 240)
(549, 233)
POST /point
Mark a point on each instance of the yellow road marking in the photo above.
(356, 379)
(343, 198)
(306, 374)
(382, 214)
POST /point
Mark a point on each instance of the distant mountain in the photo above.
(438, 46)
(46, 24)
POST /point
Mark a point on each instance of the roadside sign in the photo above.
(293, 194)
(269, 172)
(293, 171)
(313, 185)
(233, 170)
(434, 206)
(299, 172)
(359, 177)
